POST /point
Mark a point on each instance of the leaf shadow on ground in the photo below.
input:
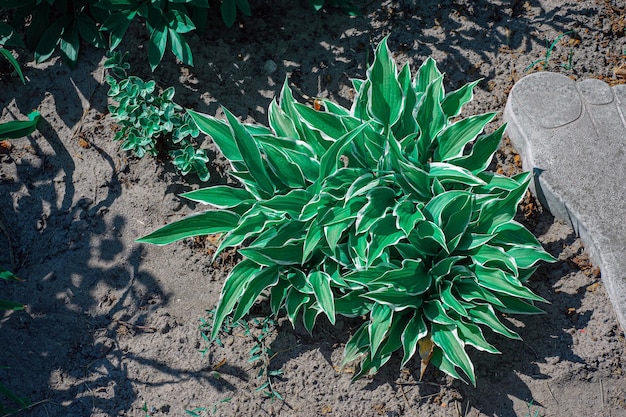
(65, 246)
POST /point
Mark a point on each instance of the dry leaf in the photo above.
(425, 346)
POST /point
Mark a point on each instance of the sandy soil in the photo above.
(112, 325)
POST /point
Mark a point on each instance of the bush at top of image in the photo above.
(383, 210)
(52, 24)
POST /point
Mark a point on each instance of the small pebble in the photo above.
(270, 66)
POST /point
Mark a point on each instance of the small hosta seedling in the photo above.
(383, 210)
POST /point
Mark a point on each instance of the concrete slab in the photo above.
(573, 137)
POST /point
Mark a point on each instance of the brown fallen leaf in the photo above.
(5, 146)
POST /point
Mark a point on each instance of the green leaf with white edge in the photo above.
(380, 200)
(328, 124)
(406, 124)
(250, 224)
(528, 256)
(428, 238)
(472, 335)
(362, 185)
(448, 299)
(482, 152)
(469, 291)
(311, 241)
(294, 303)
(513, 234)
(320, 282)
(454, 101)
(513, 305)
(414, 180)
(357, 346)
(359, 105)
(382, 235)
(442, 363)
(453, 139)
(373, 362)
(451, 211)
(495, 183)
(411, 278)
(283, 167)
(358, 244)
(219, 131)
(453, 348)
(426, 74)
(435, 312)
(278, 294)
(331, 159)
(408, 214)
(266, 277)
(250, 154)
(220, 196)
(234, 287)
(393, 298)
(500, 210)
(309, 315)
(297, 279)
(430, 118)
(487, 255)
(288, 254)
(289, 231)
(280, 123)
(415, 330)
(484, 314)
(381, 318)
(496, 280)
(447, 173)
(385, 102)
(292, 203)
(334, 108)
(205, 223)
(352, 304)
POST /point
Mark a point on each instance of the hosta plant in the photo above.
(384, 210)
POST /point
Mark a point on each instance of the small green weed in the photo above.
(530, 412)
(146, 117)
(200, 411)
(544, 62)
(260, 354)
